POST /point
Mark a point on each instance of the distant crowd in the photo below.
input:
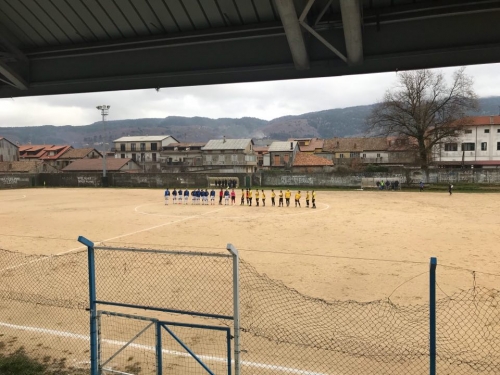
(202, 196)
(387, 185)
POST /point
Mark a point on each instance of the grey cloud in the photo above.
(265, 100)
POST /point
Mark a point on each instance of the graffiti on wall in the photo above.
(86, 180)
(13, 180)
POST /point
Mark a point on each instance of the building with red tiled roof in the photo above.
(478, 146)
(95, 165)
(9, 151)
(309, 145)
(47, 153)
(79, 153)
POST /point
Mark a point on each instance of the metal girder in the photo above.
(294, 36)
(351, 21)
(12, 76)
(305, 25)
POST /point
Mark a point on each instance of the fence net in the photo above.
(283, 331)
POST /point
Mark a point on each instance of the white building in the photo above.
(229, 156)
(478, 146)
(8, 150)
(145, 150)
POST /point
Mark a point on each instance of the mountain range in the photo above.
(338, 122)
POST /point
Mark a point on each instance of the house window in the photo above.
(122, 147)
(378, 156)
(133, 157)
(354, 155)
(143, 147)
(364, 156)
(286, 158)
(468, 146)
(341, 156)
(154, 155)
(143, 157)
(132, 146)
(498, 146)
(451, 147)
(154, 146)
(498, 130)
(486, 131)
(123, 156)
(468, 131)
(484, 146)
(277, 160)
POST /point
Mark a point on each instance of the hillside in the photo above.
(339, 122)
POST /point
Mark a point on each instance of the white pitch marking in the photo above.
(166, 351)
(246, 217)
(110, 239)
(14, 199)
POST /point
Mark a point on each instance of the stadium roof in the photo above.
(227, 144)
(56, 47)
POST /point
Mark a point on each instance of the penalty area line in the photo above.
(112, 238)
(208, 358)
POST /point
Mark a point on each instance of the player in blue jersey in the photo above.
(186, 196)
(174, 196)
(206, 196)
(226, 197)
(179, 196)
(212, 197)
(193, 196)
(167, 196)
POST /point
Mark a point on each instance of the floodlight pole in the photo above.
(104, 112)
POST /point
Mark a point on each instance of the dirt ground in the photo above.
(357, 245)
(313, 251)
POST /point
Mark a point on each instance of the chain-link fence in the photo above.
(43, 302)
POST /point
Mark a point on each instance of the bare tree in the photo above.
(425, 108)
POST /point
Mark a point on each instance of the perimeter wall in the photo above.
(264, 178)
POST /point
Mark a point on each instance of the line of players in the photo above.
(200, 196)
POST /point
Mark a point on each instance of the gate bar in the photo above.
(236, 307)
(159, 353)
(94, 370)
(128, 343)
(186, 348)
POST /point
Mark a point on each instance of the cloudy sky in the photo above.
(265, 100)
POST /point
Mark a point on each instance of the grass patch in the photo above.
(19, 363)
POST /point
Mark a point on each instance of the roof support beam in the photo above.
(12, 76)
(293, 33)
(351, 20)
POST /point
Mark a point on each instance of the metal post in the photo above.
(99, 346)
(432, 316)
(228, 338)
(159, 356)
(104, 112)
(236, 307)
(94, 368)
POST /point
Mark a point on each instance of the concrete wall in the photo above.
(16, 181)
(266, 178)
(131, 180)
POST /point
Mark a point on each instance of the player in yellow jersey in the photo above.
(257, 197)
(281, 199)
(273, 197)
(307, 199)
(297, 198)
(249, 197)
(263, 199)
(287, 197)
(314, 199)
